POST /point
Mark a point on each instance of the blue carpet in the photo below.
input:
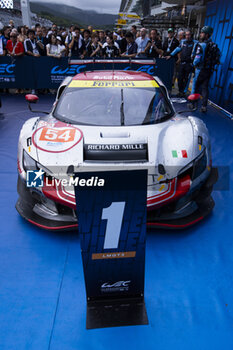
(189, 274)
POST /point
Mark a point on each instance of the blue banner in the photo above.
(48, 72)
(111, 210)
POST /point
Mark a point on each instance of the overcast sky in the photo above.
(102, 6)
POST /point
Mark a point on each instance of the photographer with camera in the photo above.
(77, 45)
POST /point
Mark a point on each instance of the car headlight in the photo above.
(28, 162)
(196, 167)
(31, 164)
(200, 164)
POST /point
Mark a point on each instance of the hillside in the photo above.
(70, 14)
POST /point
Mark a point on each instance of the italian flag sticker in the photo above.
(179, 154)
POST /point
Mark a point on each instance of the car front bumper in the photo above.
(33, 207)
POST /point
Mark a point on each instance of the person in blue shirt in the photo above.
(206, 56)
(185, 49)
(143, 43)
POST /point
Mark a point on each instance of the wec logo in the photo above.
(149, 69)
(71, 70)
(119, 284)
(7, 68)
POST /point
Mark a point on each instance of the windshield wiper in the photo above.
(122, 109)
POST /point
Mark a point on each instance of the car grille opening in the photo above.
(116, 152)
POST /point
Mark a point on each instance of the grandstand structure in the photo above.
(19, 12)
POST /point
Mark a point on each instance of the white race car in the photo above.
(114, 120)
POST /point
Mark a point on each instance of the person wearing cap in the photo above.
(170, 43)
(61, 46)
(185, 49)
(207, 55)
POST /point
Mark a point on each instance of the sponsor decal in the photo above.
(35, 178)
(7, 73)
(110, 77)
(29, 143)
(44, 123)
(200, 142)
(112, 84)
(115, 147)
(62, 138)
(115, 287)
(115, 255)
(179, 154)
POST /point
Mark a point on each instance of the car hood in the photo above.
(55, 144)
(60, 145)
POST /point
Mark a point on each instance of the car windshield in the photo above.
(113, 106)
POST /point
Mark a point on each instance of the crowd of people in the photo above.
(88, 43)
(60, 42)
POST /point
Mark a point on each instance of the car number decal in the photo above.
(57, 135)
(56, 140)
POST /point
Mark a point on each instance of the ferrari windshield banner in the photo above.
(112, 228)
(112, 84)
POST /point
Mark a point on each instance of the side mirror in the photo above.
(31, 98)
(194, 97)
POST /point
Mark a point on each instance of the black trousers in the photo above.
(183, 76)
(202, 85)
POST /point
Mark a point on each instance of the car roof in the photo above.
(113, 75)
